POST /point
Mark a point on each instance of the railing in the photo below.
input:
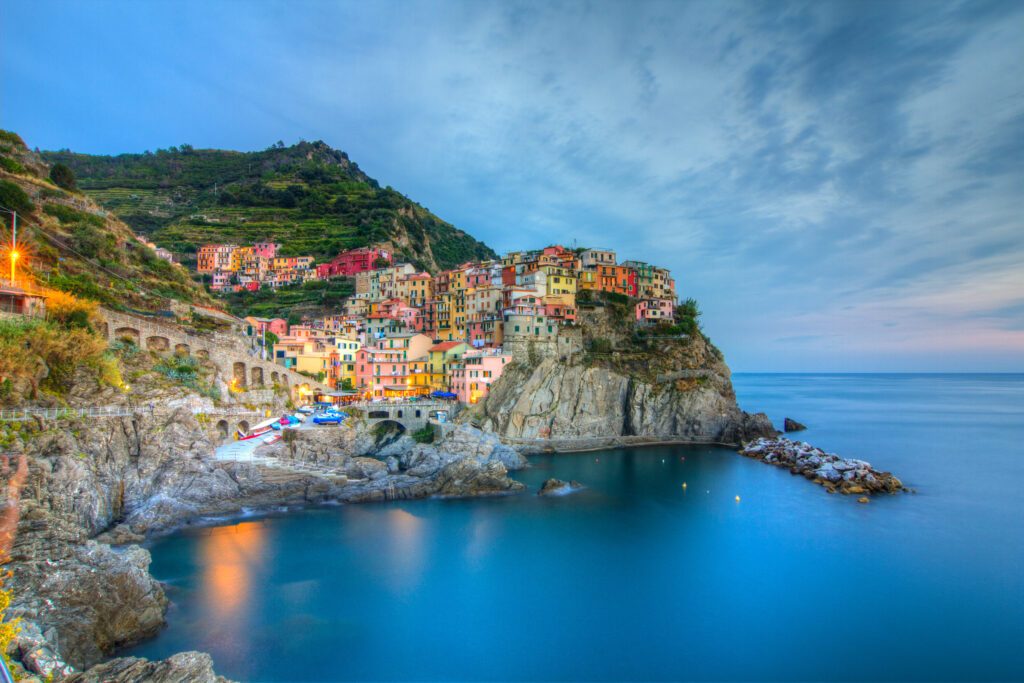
(54, 413)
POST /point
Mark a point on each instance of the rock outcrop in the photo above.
(845, 475)
(678, 390)
(184, 667)
(791, 425)
(557, 487)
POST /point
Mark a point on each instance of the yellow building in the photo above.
(440, 358)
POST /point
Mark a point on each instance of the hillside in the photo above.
(309, 197)
(67, 242)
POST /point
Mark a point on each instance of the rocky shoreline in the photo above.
(837, 474)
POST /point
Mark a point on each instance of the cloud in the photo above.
(841, 178)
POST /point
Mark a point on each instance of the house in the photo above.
(441, 357)
(353, 261)
(655, 310)
(471, 378)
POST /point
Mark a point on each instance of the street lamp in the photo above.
(14, 261)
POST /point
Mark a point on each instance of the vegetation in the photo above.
(14, 198)
(9, 628)
(63, 177)
(317, 297)
(42, 357)
(310, 198)
(186, 371)
(425, 435)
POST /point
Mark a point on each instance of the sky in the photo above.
(839, 184)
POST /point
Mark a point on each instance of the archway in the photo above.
(129, 334)
(223, 430)
(386, 432)
(158, 344)
(103, 329)
(238, 374)
(256, 379)
(242, 427)
(182, 350)
(203, 354)
(274, 377)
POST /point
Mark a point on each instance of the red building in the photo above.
(348, 263)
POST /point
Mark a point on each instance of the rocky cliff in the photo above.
(86, 484)
(618, 388)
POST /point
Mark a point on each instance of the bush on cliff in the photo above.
(43, 356)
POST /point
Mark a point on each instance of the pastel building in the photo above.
(471, 378)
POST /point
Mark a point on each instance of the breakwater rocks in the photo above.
(845, 475)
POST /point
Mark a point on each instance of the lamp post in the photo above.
(14, 240)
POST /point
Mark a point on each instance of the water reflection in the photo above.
(230, 558)
(405, 556)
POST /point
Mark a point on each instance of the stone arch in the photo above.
(182, 350)
(256, 376)
(104, 329)
(284, 379)
(158, 343)
(238, 374)
(378, 415)
(243, 426)
(203, 354)
(223, 429)
(129, 334)
(399, 413)
(274, 377)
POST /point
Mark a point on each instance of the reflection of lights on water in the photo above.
(407, 554)
(230, 555)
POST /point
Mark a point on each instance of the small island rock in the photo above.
(557, 487)
(791, 425)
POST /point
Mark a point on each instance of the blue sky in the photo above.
(841, 185)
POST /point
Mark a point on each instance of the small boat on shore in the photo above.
(257, 430)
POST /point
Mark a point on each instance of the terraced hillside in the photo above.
(68, 242)
(309, 197)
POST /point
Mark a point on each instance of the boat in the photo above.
(257, 430)
(273, 438)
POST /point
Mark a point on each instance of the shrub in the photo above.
(62, 176)
(425, 435)
(70, 311)
(11, 165)
(15, 198)
(65, 214)
(47, 356)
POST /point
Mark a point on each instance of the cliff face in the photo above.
(671, 389)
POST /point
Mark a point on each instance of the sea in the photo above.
(655, 571)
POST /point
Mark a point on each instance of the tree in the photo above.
(346, 384)
(63, 176)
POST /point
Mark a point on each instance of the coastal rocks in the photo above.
(91, 598)
(557, 487)
(184, 667)
(471, 478)
(791, 425)
(845, 475)
(565, 405)
(466, 441)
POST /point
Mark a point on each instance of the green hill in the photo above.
(310, 198)
(70, 243)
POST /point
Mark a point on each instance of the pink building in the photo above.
(655, 310)
(471, 378)
(265, 249)
(352, 261)
(364, 370)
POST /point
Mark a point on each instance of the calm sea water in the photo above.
(639, 579)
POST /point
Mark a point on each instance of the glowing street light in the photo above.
(14, 261)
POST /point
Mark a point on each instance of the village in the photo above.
(406, 334)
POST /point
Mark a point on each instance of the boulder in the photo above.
(184, 667)
(791, 425)
(557, 487)
(469, 478)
